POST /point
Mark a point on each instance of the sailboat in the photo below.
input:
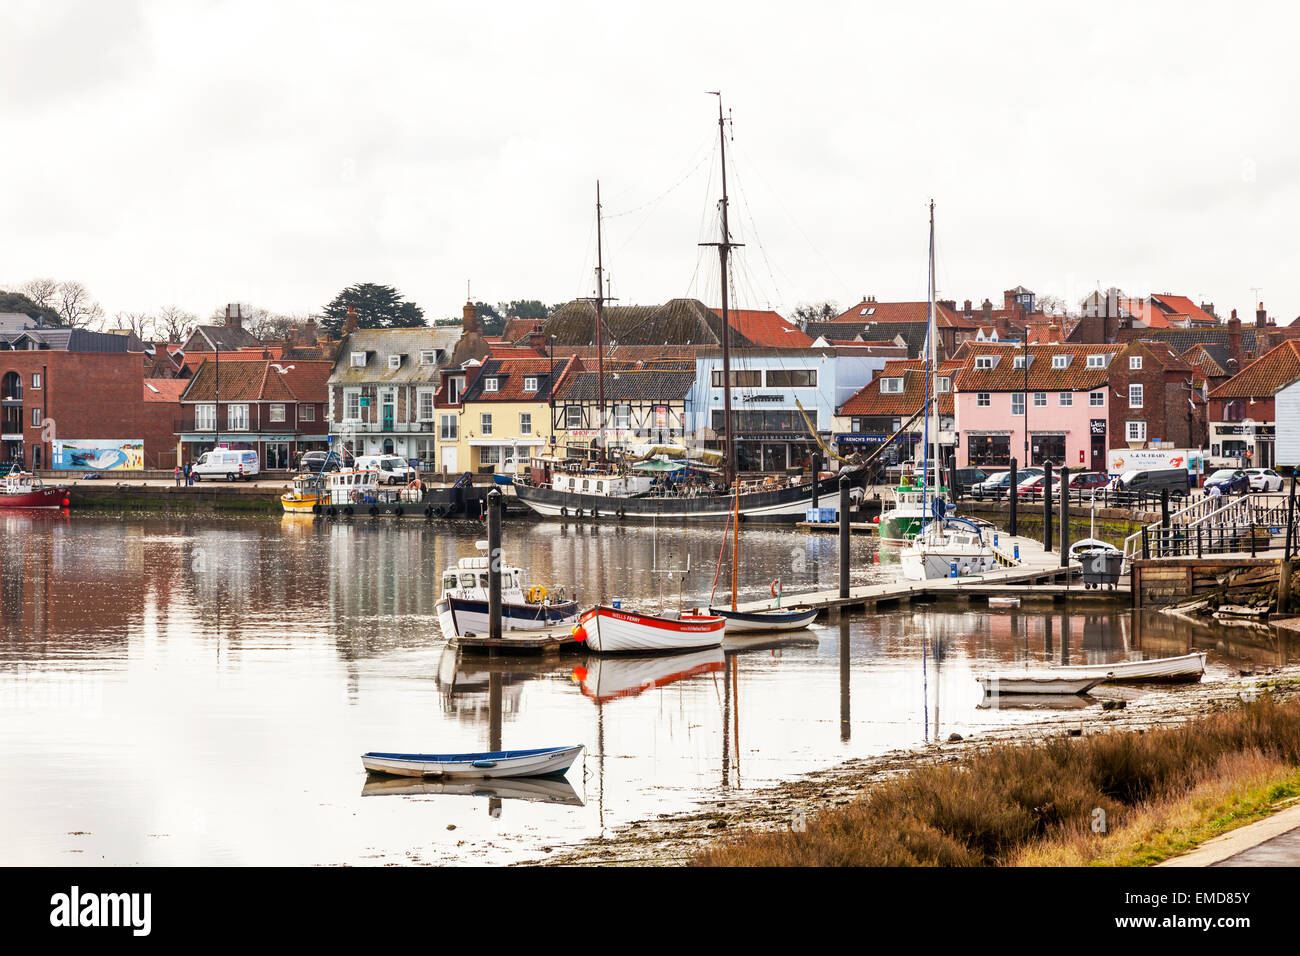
(562, 490)
(944, 545)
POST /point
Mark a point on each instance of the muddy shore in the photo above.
(673, 839)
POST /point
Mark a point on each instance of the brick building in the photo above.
(1154, 398)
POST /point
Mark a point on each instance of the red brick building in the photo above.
(1155, 398)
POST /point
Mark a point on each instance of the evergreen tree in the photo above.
(377, 307)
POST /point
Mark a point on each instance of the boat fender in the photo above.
(564, 511)
(428, 511)
(373, 511)
(622, 512)
(578, 512)
(315, 509)
(398, 511)
(484, 764)
(776, 587)
(347, 510)
(333, 512)
(595, 512)
(439, 511)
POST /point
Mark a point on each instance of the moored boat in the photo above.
(24, 490)
(495, 763)
(946, 544)
(765, 621)
(463, 607)
(612, 630)
(308, 491)
(1049, 681)
(1186, 667)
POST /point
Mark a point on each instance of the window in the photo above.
(945, 385)
(1137, 431)
(525, 423)
(358, 359)
(424, 405)
(984, 361)
(530, 383)
(890, 386)
(623, 416)
(1060, 361)
(489, 455)
(428, 356)
(306, 413)
(740, 378)
(454, 387)
(352, 405)
(1040, 399)
(237, 417)
(792, 378)
(394, 361)
(485, 423)
(490, 384)
(572, 416)
(1135, 362)
(205, 418)
(36, 418)
(1135, 396)
(36, 379)
(447, 428)
(1017, 403)
(1096, 361)
(1066, 399)
(1019, 362)
(277, 412)
(1096, 399)
(982, 400)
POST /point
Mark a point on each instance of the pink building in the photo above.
(1059, 393)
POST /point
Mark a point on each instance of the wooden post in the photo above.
(1284, 586)
(1164, 508)
(816, 468)
(844, 536)
(1065, 517)
(1290, 519)
(494, 563)
(1047, 505)
(1146, 543)
(1012, 529)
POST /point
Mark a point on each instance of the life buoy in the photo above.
(776, 587)
(536, 594)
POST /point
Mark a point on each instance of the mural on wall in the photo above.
(95, 454)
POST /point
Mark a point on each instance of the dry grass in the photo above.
(1160, 791)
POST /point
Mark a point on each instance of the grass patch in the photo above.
(1158, 793)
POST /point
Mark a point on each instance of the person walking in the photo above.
(178, 475)
(189, 475)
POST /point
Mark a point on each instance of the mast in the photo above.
(724, 248)
(600, 323)
(929, 377)
(933, 386)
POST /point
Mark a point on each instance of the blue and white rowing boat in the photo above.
(495, 763)
(756, 622)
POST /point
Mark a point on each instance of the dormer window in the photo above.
(394, 361)
(1096, 361)
(1060, 361)
(1135, 363)
(891, 386)
(428, 356)
(358, 359)
(984, 361)
(945, 385)
(490, 384)
(1019, 362)
(530, 383)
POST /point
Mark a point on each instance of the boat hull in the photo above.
(1187, 668)
(507, 763)
(765, 622)
(784, 505)
(297, 505)
(932, 565)
(616, 631)
(42, 498)
(1047, 682)
(461, 616)
(899, 529)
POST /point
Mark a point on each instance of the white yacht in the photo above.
(946, 544)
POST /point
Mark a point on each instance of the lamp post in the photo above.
(216, 408)
(550, 387)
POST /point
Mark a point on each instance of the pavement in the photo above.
(1273, 841)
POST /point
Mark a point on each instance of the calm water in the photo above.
(198, 690)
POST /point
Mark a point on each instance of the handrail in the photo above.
(1208, 510)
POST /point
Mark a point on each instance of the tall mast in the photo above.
(934, 360)
(929, 376)
(600, 324)
(724, 248)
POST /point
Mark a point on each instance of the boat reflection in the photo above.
(604, 679)
(1036, 702)
(555, 790)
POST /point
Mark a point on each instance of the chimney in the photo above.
(986, 313)
(1261, 317)
(350, 324)
(469, 319)
(966, 309)
(1008, 300)
(1054, 334)
(234, 317)
(1234, 338)
(537, 339)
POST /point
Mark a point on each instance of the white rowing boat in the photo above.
(1188, 667)
(497, 763)
(1049, 681)
(616, 630)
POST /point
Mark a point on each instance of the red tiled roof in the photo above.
(766, 328)
(164, 389)
(870, 400)
(1181, 305)
(510, 374)
(1265, 375)
(1005, 377)
(245, 381)
(866, 311)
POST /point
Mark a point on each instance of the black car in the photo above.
(967, 478)
(313, 461)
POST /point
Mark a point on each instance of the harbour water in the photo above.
(198, 690)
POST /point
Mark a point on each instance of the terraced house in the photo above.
(505, 413)
(884, 405)
(643, 404)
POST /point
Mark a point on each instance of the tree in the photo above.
(141, 323)
(494, 323)
(175, 323)
(76, 308)
(43, 292)
(1052, 305)
(377, 307)
(19, 302)
(523, 309)
(815, 312)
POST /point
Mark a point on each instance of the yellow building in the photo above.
(504, 415)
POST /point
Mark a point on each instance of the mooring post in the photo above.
(494, 564)
(1012, 522)
(844, 536)
(1047, 505)
(1146, 544)
(1164, 508)
(954, 491)
(1290, 519)
(1065, 517)
(817, 467)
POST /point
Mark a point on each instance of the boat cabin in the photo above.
(353, 487)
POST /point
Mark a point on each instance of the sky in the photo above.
(198, 153)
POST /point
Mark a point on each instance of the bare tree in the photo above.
(141, 323)
(75, 306)
(43, 292)
(175, 323)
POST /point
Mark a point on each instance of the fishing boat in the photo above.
(308, 491)
(1186, 667)
(541, 762)
(463, 607)
(1048, 681)
(612, 630)
(948, 547)
(903, 521)
(609, 678)
(23, 490)
(554, 790)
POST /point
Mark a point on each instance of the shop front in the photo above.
(988, 449)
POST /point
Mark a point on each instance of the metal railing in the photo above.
(1212, 525)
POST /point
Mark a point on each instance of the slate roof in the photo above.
(629, 385)
(1005, 377)
(510, 374)
(379, 344)
(208, 338)
(677, 322)
(1265, 375)
(1180, 340)
(870, 400)
(1214, 360)
(68, 340)
(913, 333)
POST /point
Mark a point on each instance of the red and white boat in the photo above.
(22, 490)
(618, 630)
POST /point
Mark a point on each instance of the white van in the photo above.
(393, 469)
(230, 465)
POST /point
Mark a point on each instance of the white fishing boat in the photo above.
(611, 630)
(945, 548)
(1186, 667)
(1048, 681)
(463, 607)
(496, 763)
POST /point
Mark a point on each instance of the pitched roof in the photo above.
(869, 310)
(509, 375)
(1180, 340)
(1214, 360)
(1264, 376)
(208, 338)
(380, 344)
(630, 385)
(301, 381)
(164, 389)
(870, 400)
(764, 327)
(912, 333)
(1005, 377)
(1181, 305)
(676, 322)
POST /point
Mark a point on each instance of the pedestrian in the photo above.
(189, 475)
(178, 475)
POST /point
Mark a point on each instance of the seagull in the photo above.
(280, 368)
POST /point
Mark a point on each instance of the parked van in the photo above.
(1155, 481)
(231, 465)
(393, 469)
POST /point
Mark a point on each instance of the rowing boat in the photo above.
(1188, 667)
(1050, 681)
(494, 763)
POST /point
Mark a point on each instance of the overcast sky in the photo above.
(198, 153)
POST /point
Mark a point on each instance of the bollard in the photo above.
(1164, 508)
(494, 563)
(1065, 517)
(844, 536)
(1047, 506)
(1290, 519)
(1012, 529)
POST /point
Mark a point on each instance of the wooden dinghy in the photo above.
(1187, 667)
(1049, 681)
(496, 763)
(765, 622)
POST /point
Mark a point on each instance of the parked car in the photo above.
(1229, 481)
(999, 485)
(968, 478)
(314, 461)
(393, 470)
(1264, 479)
(231, 465)
(1086, 483)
